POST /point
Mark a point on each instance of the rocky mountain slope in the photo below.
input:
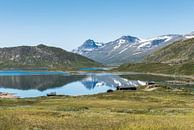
(176, 58)
(176, 53)
(127, 48)
(42, 56)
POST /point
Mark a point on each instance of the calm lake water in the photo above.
(39, 83)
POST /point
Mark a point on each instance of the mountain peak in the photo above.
(126, 39)
(89, 40)
(129, 38)
(89, 44)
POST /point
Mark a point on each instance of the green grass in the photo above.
(185, 69)
(156, 110)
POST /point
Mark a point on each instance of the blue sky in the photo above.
(68, 23)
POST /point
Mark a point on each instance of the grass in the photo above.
(155, 110)
(185, 69)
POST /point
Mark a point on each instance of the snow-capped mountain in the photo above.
(126, 48)
(88, 46)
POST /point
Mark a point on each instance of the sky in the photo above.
(68, 23)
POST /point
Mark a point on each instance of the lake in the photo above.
(40, 83)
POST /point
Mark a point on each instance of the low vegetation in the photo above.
(176, 53)
(185, 69)
(176, 58)
(160, 109)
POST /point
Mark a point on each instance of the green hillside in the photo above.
(176, 58)
(42, 56)
(186, 69)
(176, 53)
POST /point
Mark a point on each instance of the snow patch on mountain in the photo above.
(118, 45)
(189, 37)
(122, 50)
(136, 53)
(155, 41)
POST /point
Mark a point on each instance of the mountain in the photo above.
(42, 56)
(176, 58)
(176, 53)
(88, 46)
(126, 48)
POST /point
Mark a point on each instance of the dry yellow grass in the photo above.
(157, 110)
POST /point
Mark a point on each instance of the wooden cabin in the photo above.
(150, 83)
(126, 88)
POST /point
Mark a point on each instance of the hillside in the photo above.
(177, 58)
(42, 56)
(185, 69)
(177, 53)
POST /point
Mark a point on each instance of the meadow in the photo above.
(160, 109)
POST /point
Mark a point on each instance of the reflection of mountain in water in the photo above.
(113, 81)
(40, 82)
(90, 82)
(44, 82)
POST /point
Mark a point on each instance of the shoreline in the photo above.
(157, 74)
(7, 95)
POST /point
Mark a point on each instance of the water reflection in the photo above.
(39, 82)
(27, 84)
(99, 80)
(44, 82)
(33, 84)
